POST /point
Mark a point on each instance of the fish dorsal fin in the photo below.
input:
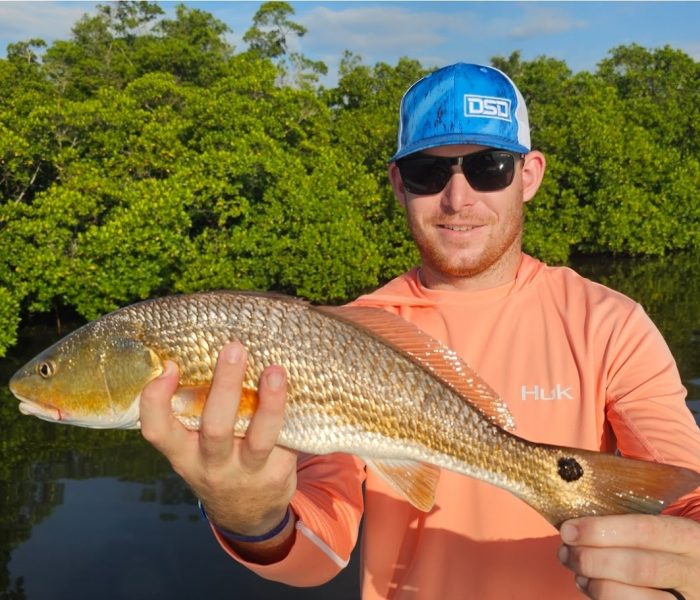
(413, 480)
(428, 352)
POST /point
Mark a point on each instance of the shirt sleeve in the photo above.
(646, 405)
(328, 504)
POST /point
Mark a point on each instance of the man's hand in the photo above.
(638, 557)
(245, 484)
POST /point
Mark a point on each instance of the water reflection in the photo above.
(118, 539)
(87, 513)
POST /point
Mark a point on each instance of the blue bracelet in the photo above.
(233, 537)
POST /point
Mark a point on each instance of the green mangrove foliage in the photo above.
(146, 155)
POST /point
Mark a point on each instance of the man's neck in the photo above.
(499, 274)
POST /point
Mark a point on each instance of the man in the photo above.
(578, 364)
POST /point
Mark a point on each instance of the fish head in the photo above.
(92, 378)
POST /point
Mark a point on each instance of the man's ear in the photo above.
(533, 172)
(397, 184)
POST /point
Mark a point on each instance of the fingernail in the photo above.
(563, 554)
(582, 582)
(232, 353)
(169, 368)
(568, 533)
(275, 379)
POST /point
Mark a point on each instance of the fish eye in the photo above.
(46, 369)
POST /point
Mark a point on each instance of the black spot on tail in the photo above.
(570, 469)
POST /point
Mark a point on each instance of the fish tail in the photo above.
(593, 483)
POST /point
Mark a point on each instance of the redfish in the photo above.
(361, 381)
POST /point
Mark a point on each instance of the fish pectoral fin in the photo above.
(188, 404)
(413, 480)
(189, 400)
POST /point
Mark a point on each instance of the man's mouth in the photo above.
(459, 227)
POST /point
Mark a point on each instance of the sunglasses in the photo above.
(486, 171)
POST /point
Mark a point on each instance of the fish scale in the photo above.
(360, 381)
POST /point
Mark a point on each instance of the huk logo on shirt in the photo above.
(486, 106)
(540, 392)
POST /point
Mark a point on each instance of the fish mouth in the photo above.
(40, 410)
(128, 419)
(35, 408)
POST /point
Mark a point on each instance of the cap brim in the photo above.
(491, 141)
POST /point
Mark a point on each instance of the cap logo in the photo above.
(487, 107)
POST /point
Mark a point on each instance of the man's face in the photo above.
(462, 233)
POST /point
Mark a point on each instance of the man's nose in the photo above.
(458, 194)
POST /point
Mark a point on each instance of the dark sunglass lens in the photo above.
(489, 171)
(424, 175)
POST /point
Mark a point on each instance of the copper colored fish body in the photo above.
(361, 381)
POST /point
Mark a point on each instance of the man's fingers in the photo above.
(600, 589)
(662, 533)
(652, 553)
(633, 567)
(219, 414)
(266, 423)
(158, 425)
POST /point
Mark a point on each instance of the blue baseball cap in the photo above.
(463, 104)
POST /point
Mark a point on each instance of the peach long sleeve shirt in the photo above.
(578, 365)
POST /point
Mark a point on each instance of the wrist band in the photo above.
(233, 537)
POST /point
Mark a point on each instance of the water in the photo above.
(99, 514)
